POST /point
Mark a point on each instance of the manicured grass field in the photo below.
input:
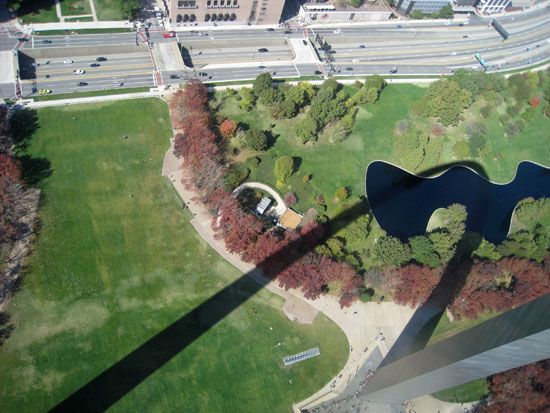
(117, 261)
(38, 11)
(75, 7)
(79, 19)
(466, 393)
(108, 9)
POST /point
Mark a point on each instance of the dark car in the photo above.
(304, 42)
(203, 74)
(263, 50)
(22, 39)
(46, 41)
(174, 77)
(287, 31)
(271, 29)
(261, 67)
(82, 84)
(393, 70)
(318, 72)
(399, 26)
(461, 24)
(465, 36)
(95, 65)
(101, 59)
(349, 68)
(362, 46)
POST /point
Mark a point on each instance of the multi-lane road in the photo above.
(410, 47)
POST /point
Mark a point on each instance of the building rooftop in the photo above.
(372, 6)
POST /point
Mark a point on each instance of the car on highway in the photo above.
(461, 24)
(46, 41)
(465, 36)
(362, 46)
(393, 70)
(452, 54)
(349, 69)
(263, 50)
(82, 84)
(287, 31)
(67, 61)
(101, 59)
(78, 72)
(168, 35)
(261, 67)
(399, 26)
(95, 65)
(203, 74)
(318, 72)
(22, 39)
(174, 76)
(304, 41)
(270, 29)
(44, 91)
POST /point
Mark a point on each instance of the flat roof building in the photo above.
(184, 13)
(492, 6)
(425, 6)
(316, 12)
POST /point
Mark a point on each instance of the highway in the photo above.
(410, 47)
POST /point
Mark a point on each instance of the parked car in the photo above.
(46, 41)
(101, 59)
(263, 50)
(95, 65)
(168, 35)
(67, 61)
(82, 84)
(78, 72)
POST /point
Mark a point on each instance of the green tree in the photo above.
(453, 218)
(391, 251)
(306, 130)
(284, 167)
(129, 8)
(443, 244)
(446, 12)
(417, 14)
(445, 99)
(297, 95)
(234, 176)
(308, 89)
(423, 251)
(247, 99)
(487, 251)
(336, 247)
(531, 245)
(263, 82)
(375, 81)
(255, 139)
(284, 110)
(461, 149)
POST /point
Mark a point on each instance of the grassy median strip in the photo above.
(82, 31)
(92, 93)
(117, 261)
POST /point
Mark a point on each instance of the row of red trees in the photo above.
(10, 184)
(489, 286)
(285, 255)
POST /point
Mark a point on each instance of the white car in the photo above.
(78, 72)
(452, 54)
(68, 61)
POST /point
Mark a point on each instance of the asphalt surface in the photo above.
(220, 55)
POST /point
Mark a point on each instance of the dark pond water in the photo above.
(402, 203)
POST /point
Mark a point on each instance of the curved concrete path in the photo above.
(364, 324)
(279, 209)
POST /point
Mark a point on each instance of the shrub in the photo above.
(228, 128)
(253, 162)
(284, 167)
(335, 133)
(365, 294)
(320, 199)
(528, 114)
(307, 178)
(255, 139)
(235, 175)
(342, 193)
(477, 145)
(514, 129)
(485, 111)
(290, 199)
(534, 102)
(474, 129)
(437, 130)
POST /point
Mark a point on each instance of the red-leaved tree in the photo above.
(10, 190)
(228, 128)
(525, 389)
(412, 284)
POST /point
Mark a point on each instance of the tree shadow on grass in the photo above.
(122, 377)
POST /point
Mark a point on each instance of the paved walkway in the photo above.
(369, 327)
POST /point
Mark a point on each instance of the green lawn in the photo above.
(79, 19)
(465, 393)
(38, 11)
(108, 9)
(75, 95)
(75, 7)
(117, 261)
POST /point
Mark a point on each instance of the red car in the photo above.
(168, 35)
